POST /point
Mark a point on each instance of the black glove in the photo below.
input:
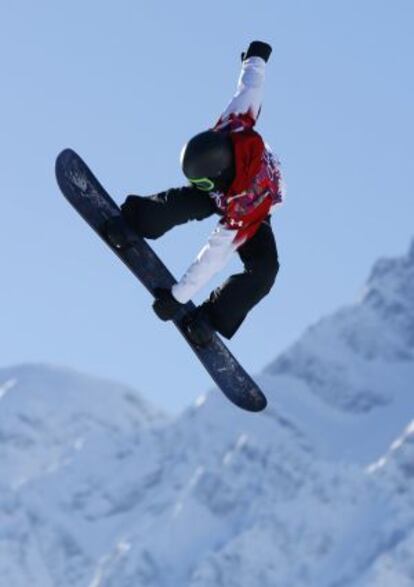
(257, 49)
(165, 304)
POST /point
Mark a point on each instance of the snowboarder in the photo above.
(231, 172)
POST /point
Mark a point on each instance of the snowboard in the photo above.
(81, 188)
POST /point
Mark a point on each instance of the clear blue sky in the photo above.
(126, 84)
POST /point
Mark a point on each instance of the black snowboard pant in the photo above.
(230, 303)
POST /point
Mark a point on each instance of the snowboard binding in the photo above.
(116, 233)
(197, 328)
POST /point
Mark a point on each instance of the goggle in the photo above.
(204, 184)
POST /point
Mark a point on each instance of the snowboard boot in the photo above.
(198, 328)
(115, 232)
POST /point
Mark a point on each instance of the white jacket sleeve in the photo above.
(249, 92)
(212, 258)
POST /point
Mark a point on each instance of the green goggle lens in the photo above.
(205, 184)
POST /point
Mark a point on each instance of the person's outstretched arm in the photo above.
(244, 107)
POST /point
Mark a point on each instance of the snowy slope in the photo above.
(316, 492)
(47, 414)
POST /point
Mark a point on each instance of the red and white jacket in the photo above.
(256, 189)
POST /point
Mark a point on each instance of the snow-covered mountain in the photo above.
(47, 414)
(99, 490)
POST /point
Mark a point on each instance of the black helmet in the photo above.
(207, 160)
